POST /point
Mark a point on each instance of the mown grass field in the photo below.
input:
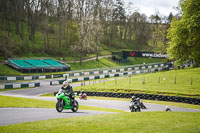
(5, 70)
(175, 82)
(151, 122)
(108, 62)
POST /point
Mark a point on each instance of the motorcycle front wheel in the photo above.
(59, 106)
(132, 109)
(75, 108)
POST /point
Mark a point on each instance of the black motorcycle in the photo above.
(135, 106)
(141, 104)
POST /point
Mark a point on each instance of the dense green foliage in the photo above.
(175, 82)
(61, 28)
(155, 122)
(184, 34)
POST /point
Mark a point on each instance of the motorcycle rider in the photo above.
(82, 92)
(167, 109)
(68, 91)
(133, 99)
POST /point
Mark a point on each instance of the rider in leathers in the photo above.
(68, 91)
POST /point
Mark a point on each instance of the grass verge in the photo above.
(184, 82)
(108, 62)
(14, 89)
(153, 122)
(7, 101)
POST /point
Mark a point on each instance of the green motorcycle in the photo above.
(64, 102)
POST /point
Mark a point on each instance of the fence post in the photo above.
(175, 80)
(143, 82)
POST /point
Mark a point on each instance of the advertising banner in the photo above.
(144, 54)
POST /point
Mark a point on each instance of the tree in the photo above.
(98, 26)
(158, 42)
(170, 18)
(184, 35)
(33, 14)
(139, 29)
(86, 36)
(84, 15)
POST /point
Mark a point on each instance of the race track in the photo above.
(18, 115)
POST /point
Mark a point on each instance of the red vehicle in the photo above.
(83, 95)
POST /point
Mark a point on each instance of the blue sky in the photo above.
(149, 6)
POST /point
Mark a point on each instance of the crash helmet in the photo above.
(82, 91)
(65, 84)
(133, 97)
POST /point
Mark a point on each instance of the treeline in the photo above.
(77, 27)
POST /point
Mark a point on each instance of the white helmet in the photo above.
(65, 84)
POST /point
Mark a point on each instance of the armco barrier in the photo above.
(133, 72)
(188, 100)
(21, 85)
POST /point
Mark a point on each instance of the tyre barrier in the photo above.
(188, 100)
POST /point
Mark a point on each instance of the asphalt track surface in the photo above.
(19, 115)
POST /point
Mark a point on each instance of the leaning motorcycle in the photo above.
(63, 102)
(134, 106)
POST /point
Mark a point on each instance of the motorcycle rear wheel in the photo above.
(75, 108)
(59, 106)
(137, 109)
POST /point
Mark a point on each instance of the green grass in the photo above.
(7, 101)
(151, 122)
(155, 83)
(108, 62)
(102, 63)
(5, 70)
(14, 89)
